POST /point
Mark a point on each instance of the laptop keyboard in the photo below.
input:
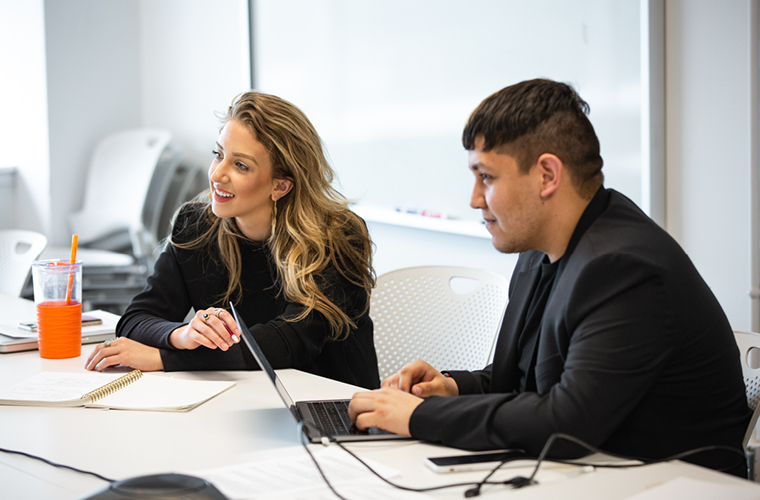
(332, 417)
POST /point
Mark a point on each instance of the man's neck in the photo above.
(561, 221)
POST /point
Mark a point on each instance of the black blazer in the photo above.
(635, 354)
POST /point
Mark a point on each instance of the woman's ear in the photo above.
(281, 187)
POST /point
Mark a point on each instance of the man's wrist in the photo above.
(451, 385)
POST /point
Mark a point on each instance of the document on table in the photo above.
(695, 489)
(297, 478)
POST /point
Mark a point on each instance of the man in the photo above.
(610, 335)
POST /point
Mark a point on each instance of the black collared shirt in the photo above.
(529, 336)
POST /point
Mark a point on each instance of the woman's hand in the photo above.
(210, 328)
(127, 352)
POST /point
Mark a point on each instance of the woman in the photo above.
(275, 238)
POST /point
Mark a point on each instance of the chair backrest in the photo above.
(18, 249)
(447, 316)
(749, 351)
(118, 179)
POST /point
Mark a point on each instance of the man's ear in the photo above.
(281, 187)
(552, 172)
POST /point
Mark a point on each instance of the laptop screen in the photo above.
(258, 354)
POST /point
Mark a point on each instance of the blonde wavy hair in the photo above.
(314, 230)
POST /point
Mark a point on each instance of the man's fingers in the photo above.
(390, 382)
(421, 390)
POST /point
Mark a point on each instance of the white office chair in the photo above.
(131, 181)
(18, 249)
(447, 316)
(749, 350)
(118, 180)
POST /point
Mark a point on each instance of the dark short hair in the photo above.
(540, 116)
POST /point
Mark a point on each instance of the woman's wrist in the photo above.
(175, 337)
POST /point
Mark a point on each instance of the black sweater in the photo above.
(185, 279)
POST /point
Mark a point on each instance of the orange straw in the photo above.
(74, 241)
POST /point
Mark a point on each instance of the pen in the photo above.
(232, 335)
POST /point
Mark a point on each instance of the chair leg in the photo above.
(751, 457)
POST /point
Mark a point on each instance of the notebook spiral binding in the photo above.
(113, 386)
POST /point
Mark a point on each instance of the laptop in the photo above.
(321, 419)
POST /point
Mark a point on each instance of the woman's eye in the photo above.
(242, 166)
(217, 154)
(485, 177)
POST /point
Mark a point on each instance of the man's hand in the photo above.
(388, 409)
(422, 380)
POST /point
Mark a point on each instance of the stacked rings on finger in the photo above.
(205, 317)
(218, 311)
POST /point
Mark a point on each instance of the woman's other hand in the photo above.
(210, 328)
(127, 352)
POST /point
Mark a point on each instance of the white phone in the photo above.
(475, 461)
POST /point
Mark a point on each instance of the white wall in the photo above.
(93, 90)
(709, 145)
(398, 247)
(194, 60)
(23, 112)
(89, 68)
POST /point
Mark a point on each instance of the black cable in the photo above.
(321, 473)
(520, 481)
(54, 464)
(331, 439)
(407, 488)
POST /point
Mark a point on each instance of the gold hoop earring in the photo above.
(274, 216)
(210, 196)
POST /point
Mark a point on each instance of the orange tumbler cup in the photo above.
(58, 296)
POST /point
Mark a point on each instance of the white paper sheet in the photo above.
(297, 478)
(695, 489)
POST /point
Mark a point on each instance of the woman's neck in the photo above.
(255, 230)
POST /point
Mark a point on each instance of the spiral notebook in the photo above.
(133, 391)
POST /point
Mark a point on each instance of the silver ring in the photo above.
(107, 343)
(205, 317)
(218, 311)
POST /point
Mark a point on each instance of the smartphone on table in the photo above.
(475, 461)
(86, 321)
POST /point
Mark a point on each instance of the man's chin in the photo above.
(504, 245)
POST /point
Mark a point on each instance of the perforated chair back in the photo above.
(447, 316)
(749, 349)
(18, 249)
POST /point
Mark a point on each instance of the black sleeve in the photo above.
(161, 307)
(474, 382)
(285, 343)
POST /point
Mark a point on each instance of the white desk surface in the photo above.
(244, 424)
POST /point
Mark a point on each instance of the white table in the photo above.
(244, 424)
